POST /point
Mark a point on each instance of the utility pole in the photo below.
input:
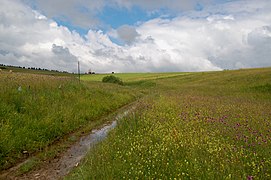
(79, 71)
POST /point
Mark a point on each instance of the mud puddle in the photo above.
(59, 167)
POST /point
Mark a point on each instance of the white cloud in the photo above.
(82, 13)
(195, 41)
(176, 5)
(128, 34)
(27, 37)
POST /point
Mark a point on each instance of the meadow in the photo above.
(132, 77)
(36, 110)
(210, 125)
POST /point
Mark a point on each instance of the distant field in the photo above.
(209, 125)
(130, 77)
(34, 71)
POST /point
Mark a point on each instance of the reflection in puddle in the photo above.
(78, 151)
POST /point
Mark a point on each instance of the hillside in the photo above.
(210, 125)
(188, 125)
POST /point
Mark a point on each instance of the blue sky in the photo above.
(115, 16)
(111, 17)
(112, 14)
(136, 36)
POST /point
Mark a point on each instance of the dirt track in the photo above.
(63, 164)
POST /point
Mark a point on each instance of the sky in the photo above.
(136, 36)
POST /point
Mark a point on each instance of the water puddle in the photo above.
(78, 151)
(71, 158)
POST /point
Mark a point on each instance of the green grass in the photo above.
(32, 71)
(131, 77)
(207, 125)
(36, 110)
(30, 164)
(212, 125)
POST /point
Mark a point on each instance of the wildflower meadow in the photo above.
(214, 125)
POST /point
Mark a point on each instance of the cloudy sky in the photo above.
(136, 36)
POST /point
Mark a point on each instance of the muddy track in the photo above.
(63, 164)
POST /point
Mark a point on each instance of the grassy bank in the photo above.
(132, 77)
(213, 125)
(35, 110)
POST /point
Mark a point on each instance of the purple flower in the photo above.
(249, 177)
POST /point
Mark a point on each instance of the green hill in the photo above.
(202, 125)
(210, 125)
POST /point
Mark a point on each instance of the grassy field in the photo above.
(214, 125)
(207, 125)
(36, 110)
(131, 77)
(33, 71)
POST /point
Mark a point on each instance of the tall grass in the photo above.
(35, 110)
(200, 126)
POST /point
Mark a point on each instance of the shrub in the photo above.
(112, 79)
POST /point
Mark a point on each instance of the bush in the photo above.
(112, 79)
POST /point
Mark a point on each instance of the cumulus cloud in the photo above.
(83, 13)
(128, 34)
(176, 5)
(195, 41)
(63, 57)
(80, 13)
(206, 40)
(27, 37)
